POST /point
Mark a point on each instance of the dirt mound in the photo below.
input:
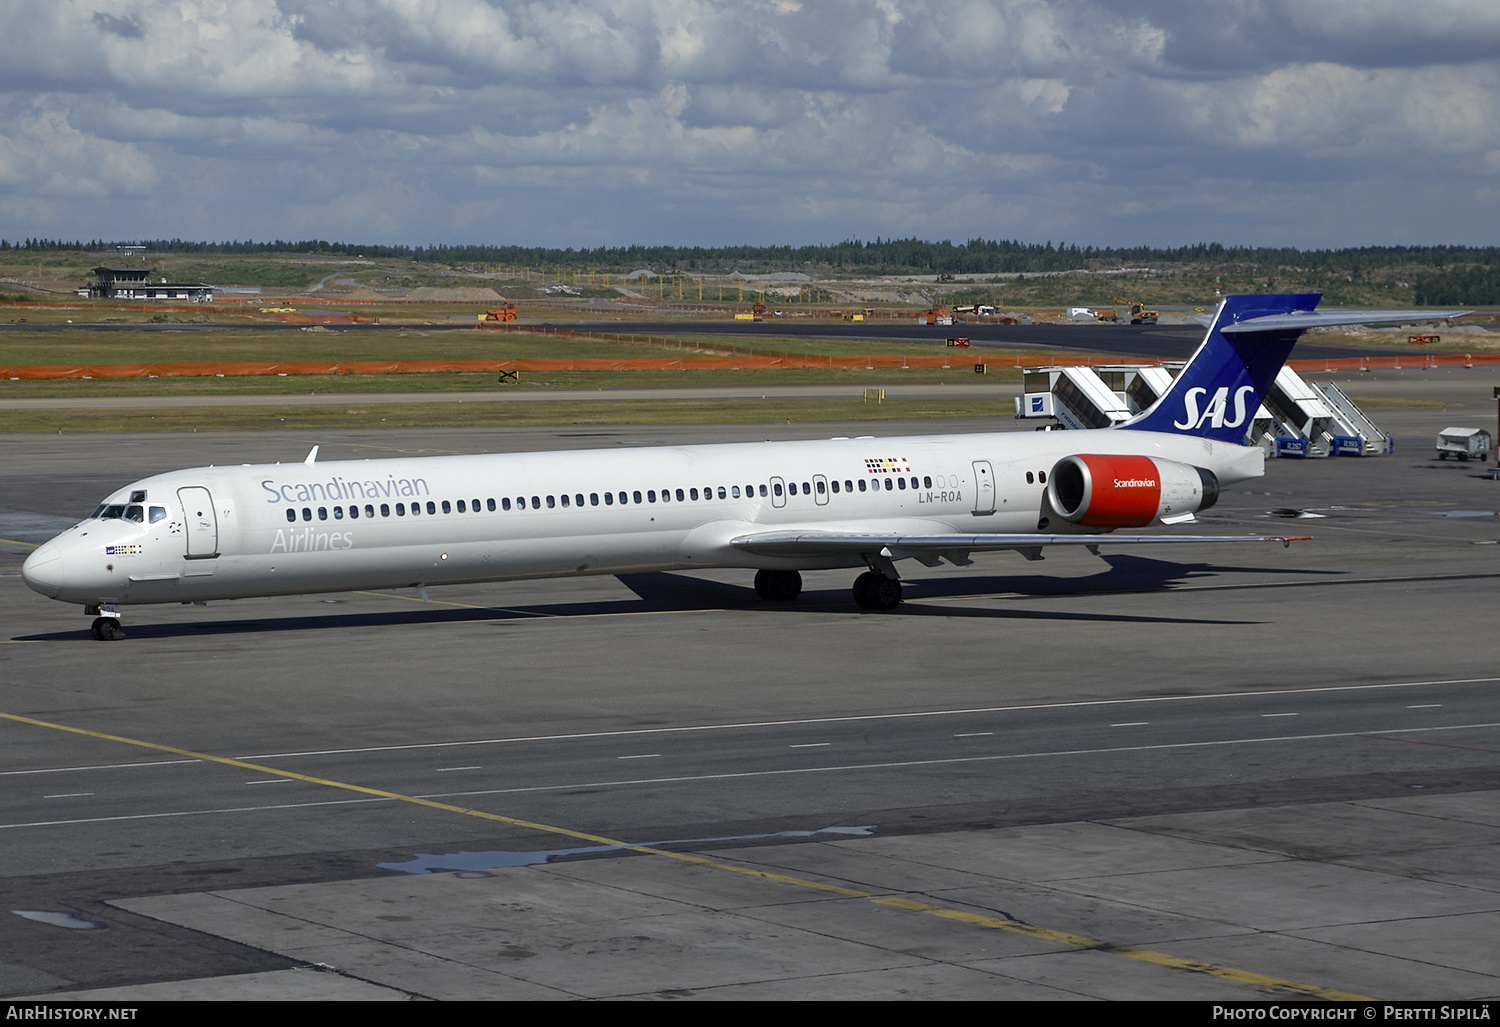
(429, 294)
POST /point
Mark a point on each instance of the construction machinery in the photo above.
(505, 312)
(1139, 314)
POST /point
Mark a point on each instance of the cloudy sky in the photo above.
(1311, 123)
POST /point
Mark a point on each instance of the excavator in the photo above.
(1139, 314)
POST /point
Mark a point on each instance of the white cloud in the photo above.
(1325, 108)
(691, 119)
(41, 154)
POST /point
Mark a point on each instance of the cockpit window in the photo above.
(158, 513)
(138, 496)
(112, 513)
(135, 513)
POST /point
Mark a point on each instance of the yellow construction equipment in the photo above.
(1139, 314)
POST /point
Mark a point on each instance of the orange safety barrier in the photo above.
(49, 372)
(725, 362)
(122, 371)
(237, 369)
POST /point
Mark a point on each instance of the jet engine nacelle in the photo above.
(1102, 491)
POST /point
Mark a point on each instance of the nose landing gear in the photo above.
(107, 629)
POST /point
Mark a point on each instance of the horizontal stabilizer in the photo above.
(1303, 320)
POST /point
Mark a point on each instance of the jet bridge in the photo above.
(1320, 420)
(1297, 419)
(1076, 396)
(1359, 435)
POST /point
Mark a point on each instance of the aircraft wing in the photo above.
(1331, 318)
(927, 548)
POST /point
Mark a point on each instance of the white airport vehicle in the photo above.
(1463, 443)
(212, 533)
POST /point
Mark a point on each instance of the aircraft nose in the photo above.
(43, 570)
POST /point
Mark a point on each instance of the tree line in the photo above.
(1452, 274)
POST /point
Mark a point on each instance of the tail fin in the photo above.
(1248, 340)
(1222, 385)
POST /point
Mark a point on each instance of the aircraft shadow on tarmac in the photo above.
(661, 591)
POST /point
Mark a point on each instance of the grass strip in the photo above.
(337, 415)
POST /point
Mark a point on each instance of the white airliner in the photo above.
(776, 507)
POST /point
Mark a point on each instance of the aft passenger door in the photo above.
(202, 523)
(984, 488)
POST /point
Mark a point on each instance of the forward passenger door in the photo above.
(202, 523)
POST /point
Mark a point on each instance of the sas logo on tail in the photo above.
(1214, 413)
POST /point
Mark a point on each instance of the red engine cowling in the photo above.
(1102, 491)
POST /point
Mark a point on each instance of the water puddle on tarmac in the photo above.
(47, 916)
(474, 864)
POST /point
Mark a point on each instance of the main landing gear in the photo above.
(778, 586)
(875, 591)
(872, 589)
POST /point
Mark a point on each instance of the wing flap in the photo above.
(896, 547)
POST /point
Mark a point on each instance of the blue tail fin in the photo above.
(1221, 388)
